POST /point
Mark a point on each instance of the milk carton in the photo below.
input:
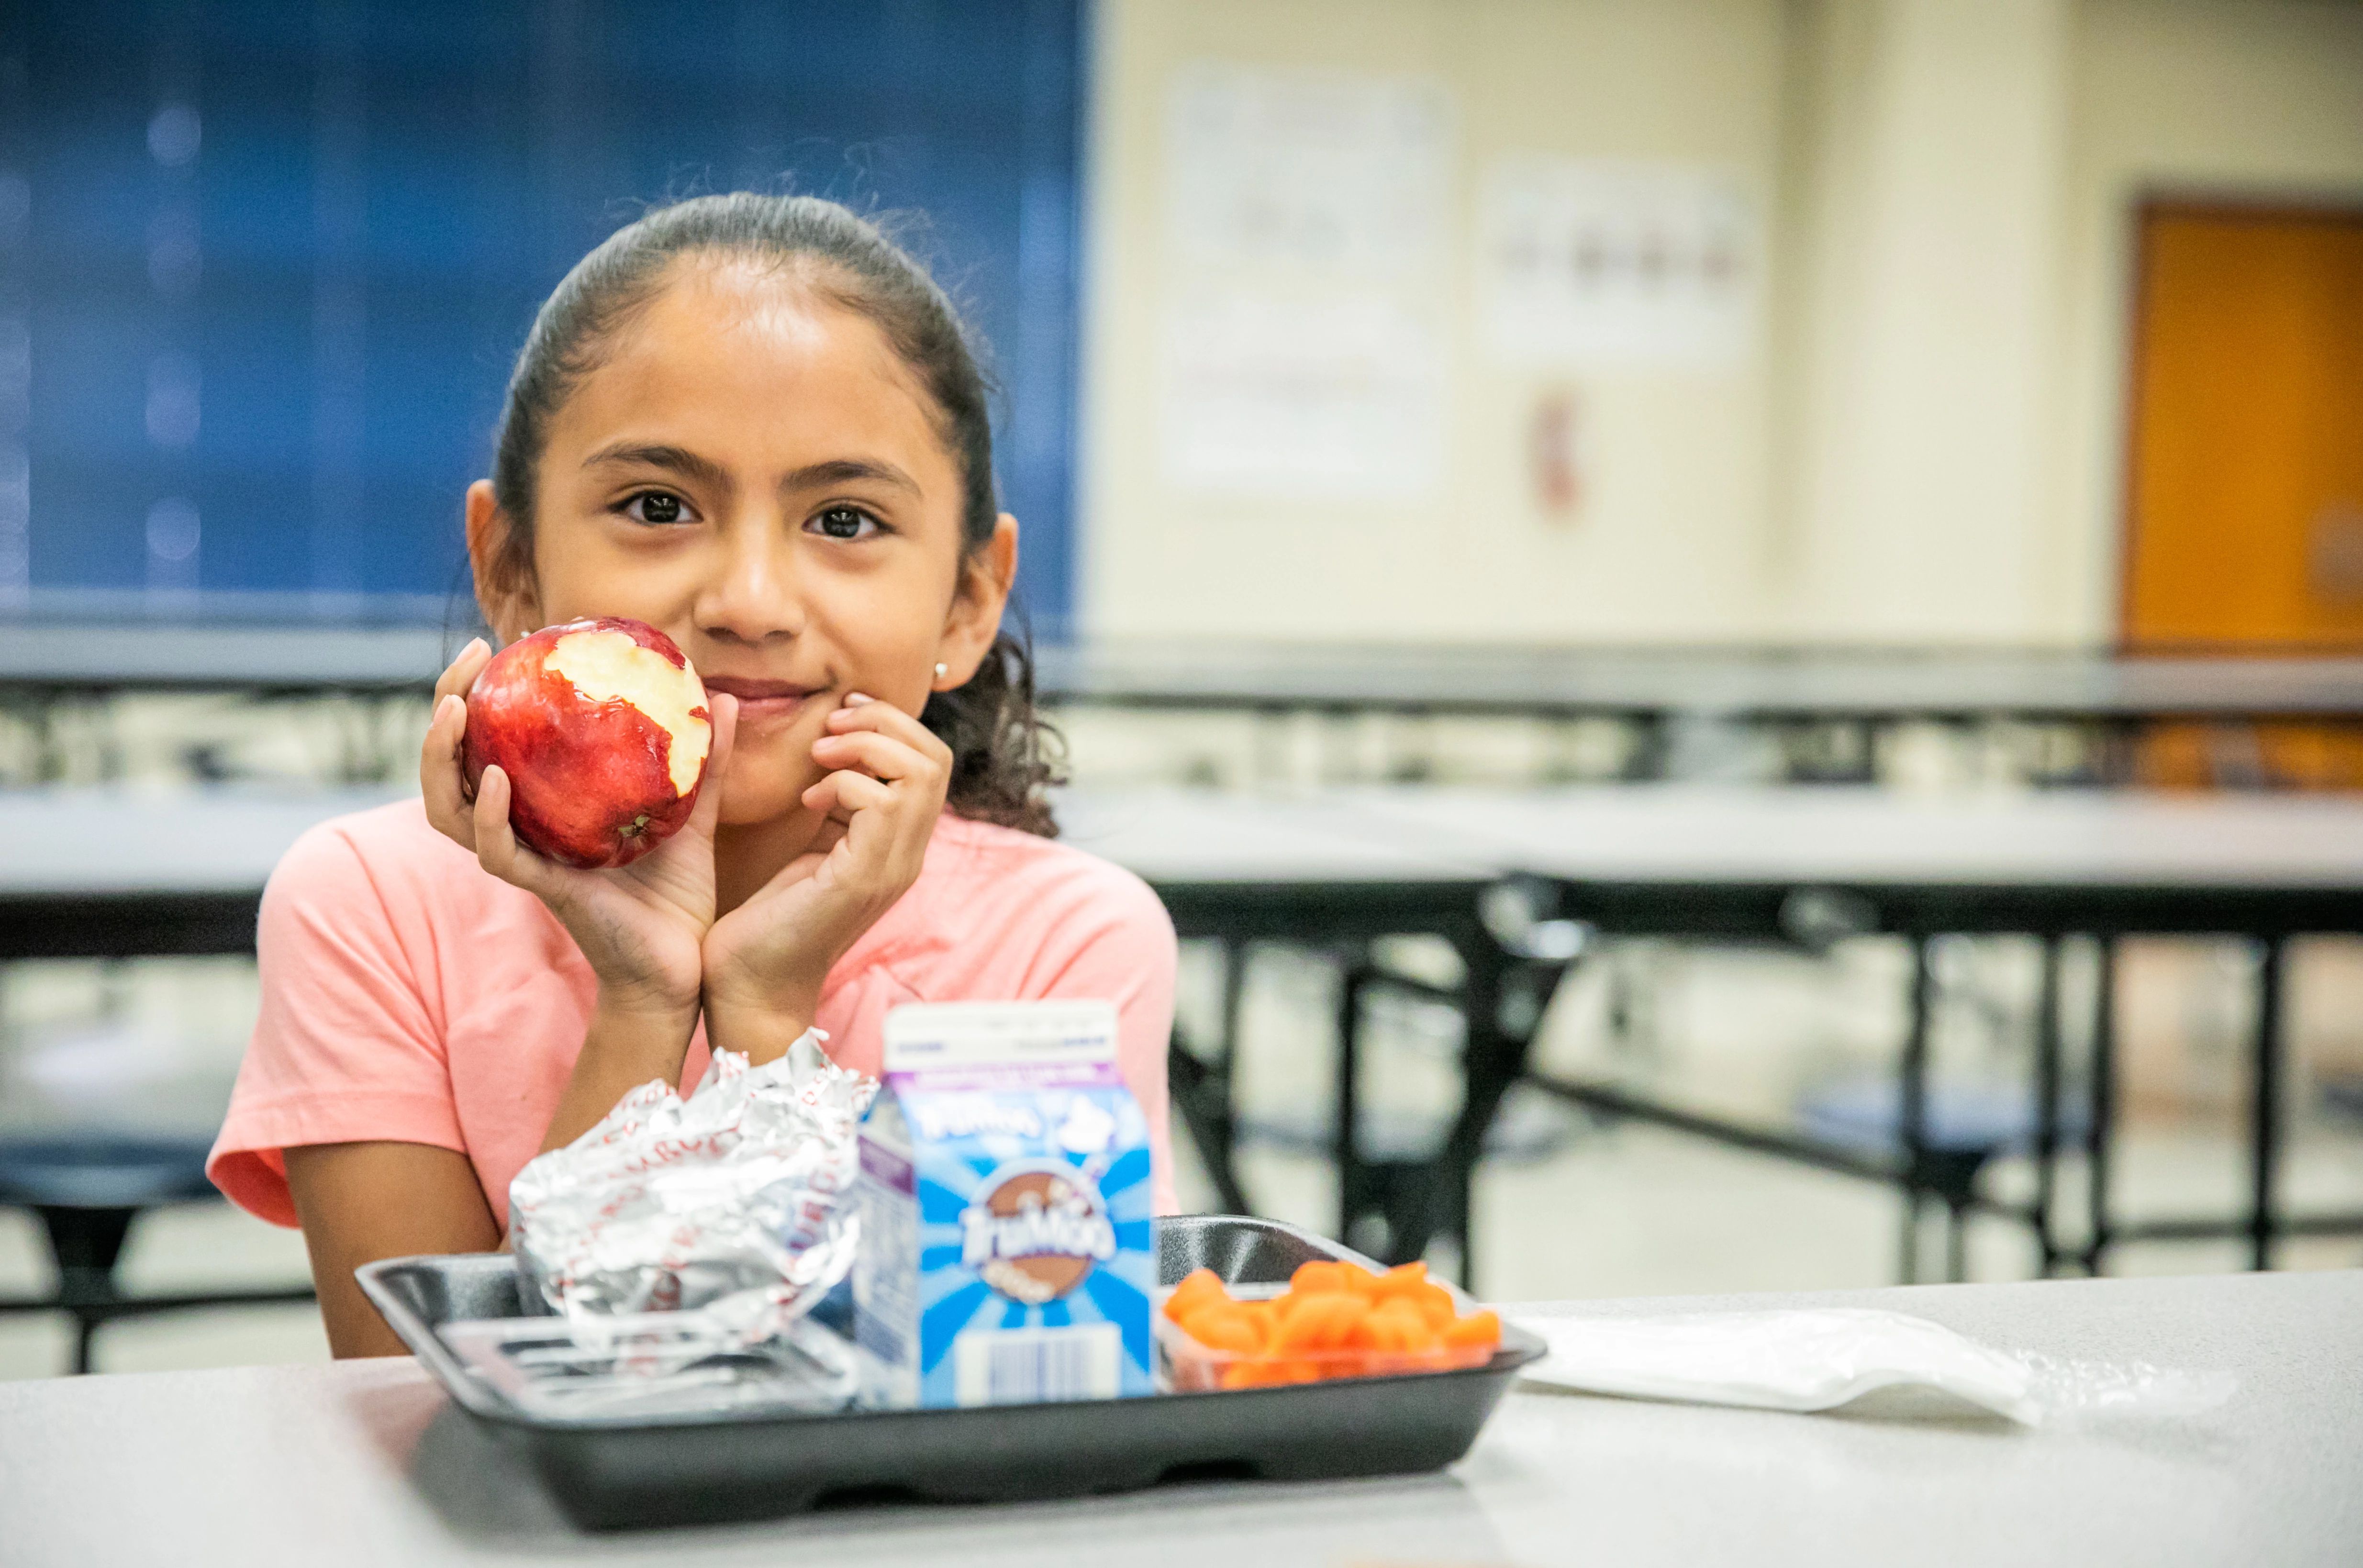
(1006, 1249)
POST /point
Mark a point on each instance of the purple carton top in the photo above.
(886, 1166)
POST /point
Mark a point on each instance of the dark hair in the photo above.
(1004, 756)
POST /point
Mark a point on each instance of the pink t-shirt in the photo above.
(409, 997)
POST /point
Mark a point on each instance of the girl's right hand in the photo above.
(642, 926)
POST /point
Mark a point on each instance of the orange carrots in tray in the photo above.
(1335, 1319)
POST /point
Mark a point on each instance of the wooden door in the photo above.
(2245, 517)
(2244, 526)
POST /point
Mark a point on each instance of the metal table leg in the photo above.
(1344, 1130)
(1205, 1092)
(1234, 991)
(1202, 1096)
(1491, 1062)
(2101, 1115)
(2265, 1109)
(1911, 1118)
(2046, 1104)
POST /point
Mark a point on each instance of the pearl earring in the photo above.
(942, 670)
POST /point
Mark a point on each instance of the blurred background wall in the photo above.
(1282, 290)
(1917, 433)
(264, 265)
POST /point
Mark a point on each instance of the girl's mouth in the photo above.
(762, 702)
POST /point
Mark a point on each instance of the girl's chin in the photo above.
(749, 806)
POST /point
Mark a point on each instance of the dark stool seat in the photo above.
(1958, 1119)
(86, 1189)
(1963, 1126)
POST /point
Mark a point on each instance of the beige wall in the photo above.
(1923, 446)
(1926, 215)
(1666, 546)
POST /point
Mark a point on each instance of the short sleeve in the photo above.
(1119, 945)
(344, 1049)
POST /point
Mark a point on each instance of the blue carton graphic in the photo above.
(1007, 1250)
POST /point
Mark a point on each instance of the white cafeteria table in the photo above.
(367, 1463)
(104, 654)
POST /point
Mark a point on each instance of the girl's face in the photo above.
(756, 473)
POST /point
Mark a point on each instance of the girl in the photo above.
(756, 424)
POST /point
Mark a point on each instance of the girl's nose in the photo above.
(751, 596)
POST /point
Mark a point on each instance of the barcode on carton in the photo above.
(1012, 1366)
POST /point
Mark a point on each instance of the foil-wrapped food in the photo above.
(729, 1205)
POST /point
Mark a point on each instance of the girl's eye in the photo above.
(844, 523)
(655, 506)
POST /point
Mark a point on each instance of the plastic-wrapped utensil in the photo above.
(1821, 1358)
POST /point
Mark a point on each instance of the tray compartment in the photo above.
(693, 1469)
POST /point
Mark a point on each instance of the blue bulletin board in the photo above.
(263, 266)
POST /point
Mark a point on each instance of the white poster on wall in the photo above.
(1599, 265)
(1307, 241)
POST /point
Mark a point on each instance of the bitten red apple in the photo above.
(603, 729)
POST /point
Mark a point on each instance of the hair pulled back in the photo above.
(1004, 753)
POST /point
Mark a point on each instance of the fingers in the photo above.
(883, 755)
(864, 714)
(723, 709)
(886, 764)
(464, 671)
(441, 783)
(497, 849)
(839, 795)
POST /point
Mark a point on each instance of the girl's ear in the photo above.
(986, 578)
(504, 586)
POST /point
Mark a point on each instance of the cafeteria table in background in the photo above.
(368, 1462)
(105, 873)
(1240, 869)
(96, 657)
(1827, 706)
(119, 874)
(1811, 865)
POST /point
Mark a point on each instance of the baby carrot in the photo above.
(1435, 1304)
(1223, 1326)
(1476, 1328)
(1402, 1280)
(1323, 1321)
(1397, 1325)
(1322, 1278)
(1201, 1287)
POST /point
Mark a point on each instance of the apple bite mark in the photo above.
(609, 666)
(602, 728)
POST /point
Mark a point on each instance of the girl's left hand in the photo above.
(766, 959)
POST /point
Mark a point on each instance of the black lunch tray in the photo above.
(695, 1469)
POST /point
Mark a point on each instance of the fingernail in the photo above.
(474, 644)
(855, 699)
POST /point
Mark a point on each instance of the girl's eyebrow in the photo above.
(705, 471)
(843, 470)
(672, 459)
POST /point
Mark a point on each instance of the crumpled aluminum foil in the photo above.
(730, 1206)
